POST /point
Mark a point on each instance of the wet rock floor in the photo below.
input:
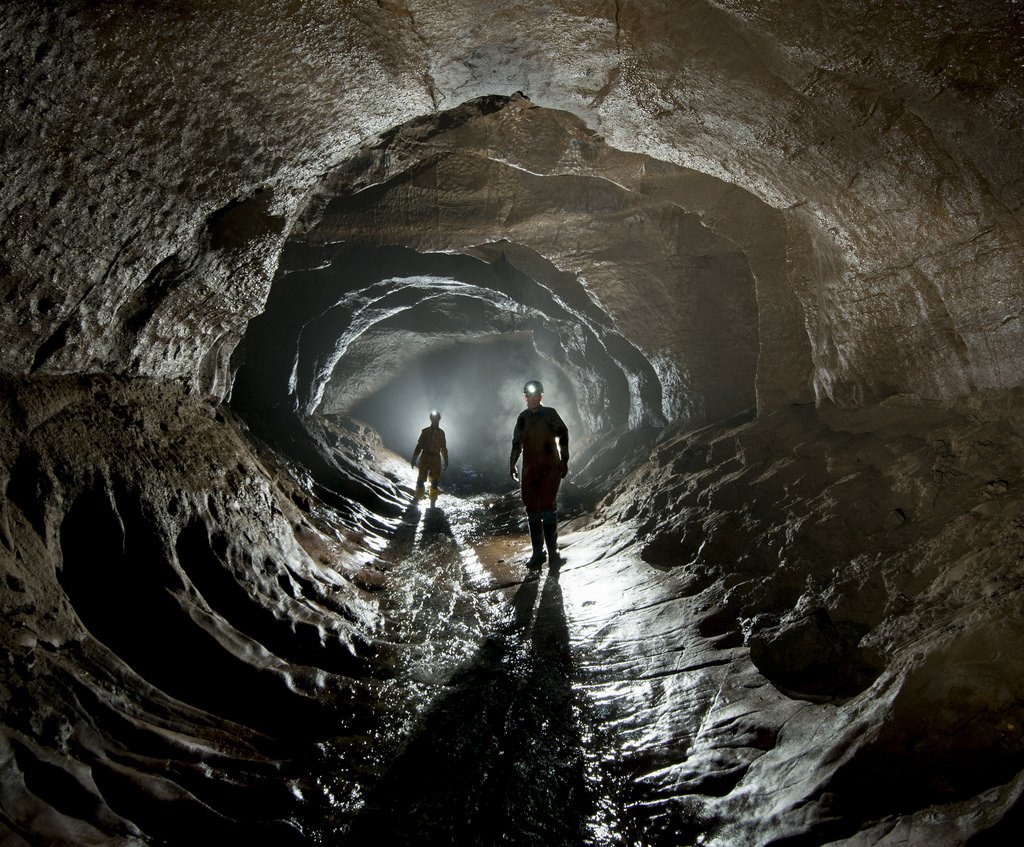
(499, 745)
(221, 656)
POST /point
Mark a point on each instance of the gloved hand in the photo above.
(512, 472)
(412, 463)
(445, 466)
(563, 468)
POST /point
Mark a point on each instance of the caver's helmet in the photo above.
(533, 387)
(435, 416)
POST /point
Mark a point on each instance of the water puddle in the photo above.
(490, 739)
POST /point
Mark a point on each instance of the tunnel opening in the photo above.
(477, 388)
(589, 264)
(409, 284)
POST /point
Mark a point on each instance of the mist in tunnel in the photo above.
(765, 258)
(478, 389)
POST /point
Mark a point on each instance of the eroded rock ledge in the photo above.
(179, 632)
(801, 627)
(842, 584)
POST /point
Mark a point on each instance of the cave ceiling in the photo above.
(767, 258)
(184, 159)
(589, 250)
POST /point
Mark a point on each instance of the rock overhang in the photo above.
(465, 224)
(739, 93)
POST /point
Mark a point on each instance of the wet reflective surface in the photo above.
(338, 675)
(589, 704)
(253, 660)
(492, 739)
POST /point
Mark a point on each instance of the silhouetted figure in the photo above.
(431, 450)
(543, 440)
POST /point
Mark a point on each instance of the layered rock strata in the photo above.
(795, 626)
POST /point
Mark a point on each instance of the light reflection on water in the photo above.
(488, 740)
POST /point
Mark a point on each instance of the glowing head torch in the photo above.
(435, 416)
(533, 388)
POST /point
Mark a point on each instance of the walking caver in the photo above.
(431, 449)
(542, 439)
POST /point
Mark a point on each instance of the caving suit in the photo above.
(431, 448)
(543, 440)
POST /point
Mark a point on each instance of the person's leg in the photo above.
(547, 495)
(535, 522)
(540, 490)
(421, 478)
(435, 476)
(550, 524)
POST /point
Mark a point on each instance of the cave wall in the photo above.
(603, 248)
(154, 160)
(179, 628)
(157, 155)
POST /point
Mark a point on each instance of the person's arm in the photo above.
(562, 434)
(517, 447)
(416, 452)
(444, 450)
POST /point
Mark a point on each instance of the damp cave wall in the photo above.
(156, 157)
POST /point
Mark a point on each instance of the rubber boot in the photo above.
(533, 520)
(433, 495)
(551, 541)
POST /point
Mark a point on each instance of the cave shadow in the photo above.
(498, 758)
(124, 588)
(404, 535)
(435, 522)
(419, 519)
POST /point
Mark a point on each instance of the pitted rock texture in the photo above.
(889, 147)
(799, 625)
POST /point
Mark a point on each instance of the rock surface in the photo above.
(156, 159)
(775, 250)
(799, 627)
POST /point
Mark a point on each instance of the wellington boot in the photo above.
(551, 542)
(537, 539)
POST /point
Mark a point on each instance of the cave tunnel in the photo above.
(360, 323)
(764, 257)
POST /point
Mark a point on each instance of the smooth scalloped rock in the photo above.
(798, 625)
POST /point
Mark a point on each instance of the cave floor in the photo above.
(222, 650)
(501, 744)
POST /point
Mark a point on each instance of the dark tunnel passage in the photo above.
(477, 388)
(365, 326)
(368, 326)
(333, 334)
(403, 258)
(782, 602)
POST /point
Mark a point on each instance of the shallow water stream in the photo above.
(496, 741)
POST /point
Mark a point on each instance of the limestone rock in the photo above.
(773, 254)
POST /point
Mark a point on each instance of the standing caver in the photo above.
(542, 439)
